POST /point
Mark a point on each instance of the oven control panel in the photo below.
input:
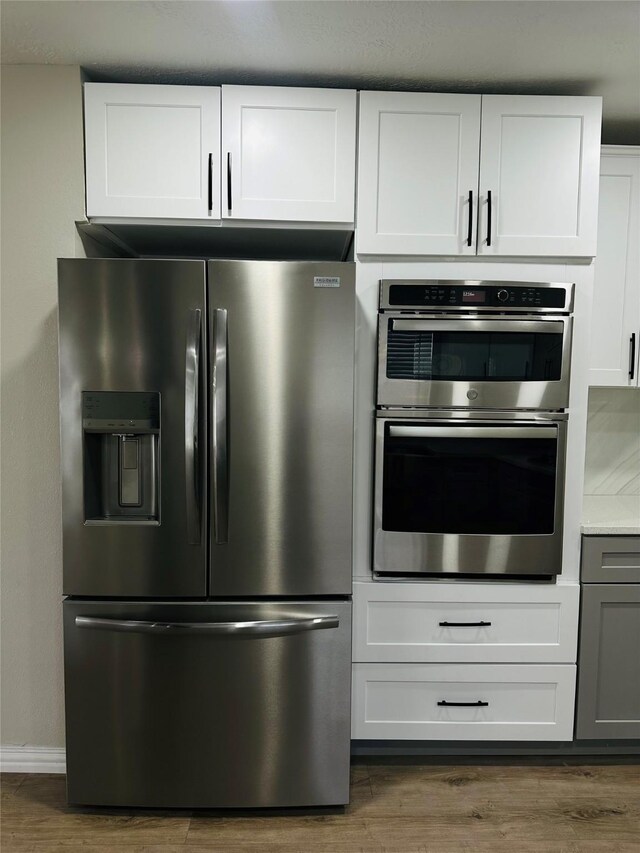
(465, 295)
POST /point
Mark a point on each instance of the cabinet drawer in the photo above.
(611, 559)
(465, 623)
(463, 702)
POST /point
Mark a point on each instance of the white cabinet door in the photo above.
(152, 151)
(539, 161)
(417, 173)
(615, 325)
(288, 153)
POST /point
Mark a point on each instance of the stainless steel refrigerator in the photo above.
(207, 428)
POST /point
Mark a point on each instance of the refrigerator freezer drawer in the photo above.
(208, 704)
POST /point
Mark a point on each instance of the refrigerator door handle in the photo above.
(261, 628)
(191, 416)
(220, 467)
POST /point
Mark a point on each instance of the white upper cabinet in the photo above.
(539, 175)
(288, 153)
(417, 173)
(615, 329)
(152, 151)
(534, 157)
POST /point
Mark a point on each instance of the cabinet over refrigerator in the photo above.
(207, 427)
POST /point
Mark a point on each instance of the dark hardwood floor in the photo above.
(412, 808)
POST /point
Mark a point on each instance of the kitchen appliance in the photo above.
(474, 344)
(469, 492)
(473, 380)
(207, 425)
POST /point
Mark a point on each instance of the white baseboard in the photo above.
(32, 759)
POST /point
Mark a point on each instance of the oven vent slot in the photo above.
(409, 355)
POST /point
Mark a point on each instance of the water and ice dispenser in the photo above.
(121, 434)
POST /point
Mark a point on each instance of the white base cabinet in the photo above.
(464, 661)
(463, 702)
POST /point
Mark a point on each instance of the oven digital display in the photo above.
(475, 296)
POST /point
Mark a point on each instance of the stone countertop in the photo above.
(611, 515)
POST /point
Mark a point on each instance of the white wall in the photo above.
(42, 195)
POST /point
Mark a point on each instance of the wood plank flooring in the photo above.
(407, 808)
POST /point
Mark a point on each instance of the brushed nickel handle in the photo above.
(471, 432)
(219, 415)
(258, 628)
(191, 414)
(434, 324)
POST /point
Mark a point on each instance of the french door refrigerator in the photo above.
(206, 433)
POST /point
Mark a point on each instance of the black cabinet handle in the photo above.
(464, 624)
(470, 226)
(229, 194)
(478, 704)
(210, 183)
(632, 356)
(488, 217)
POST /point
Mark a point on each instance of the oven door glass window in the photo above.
(473, 356)
(469, 485)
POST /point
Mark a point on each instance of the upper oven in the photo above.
(474, 344)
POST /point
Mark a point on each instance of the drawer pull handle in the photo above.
(464, 624)
(478, 704)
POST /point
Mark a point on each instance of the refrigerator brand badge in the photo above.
(326, 281)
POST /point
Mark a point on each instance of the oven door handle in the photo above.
(434, 324)
(402, 431)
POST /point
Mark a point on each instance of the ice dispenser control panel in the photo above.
(121, 410)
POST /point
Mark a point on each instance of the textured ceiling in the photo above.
(556, 47)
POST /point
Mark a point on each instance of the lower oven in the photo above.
(469, 493)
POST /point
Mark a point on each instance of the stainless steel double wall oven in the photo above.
(473, 387)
